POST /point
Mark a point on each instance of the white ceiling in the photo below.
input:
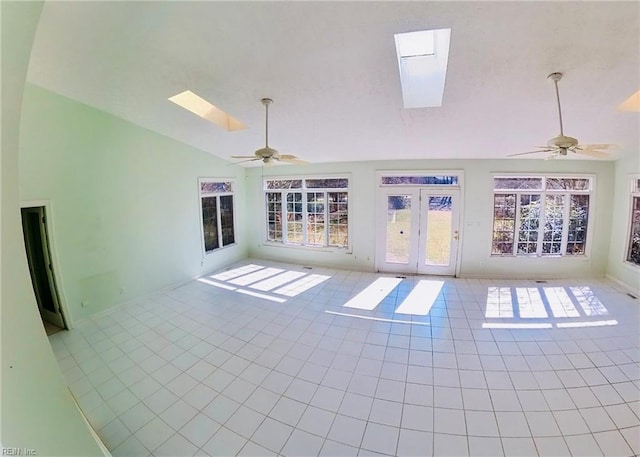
(331, 69)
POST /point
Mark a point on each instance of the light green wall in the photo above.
(476, 223)
(126, 219)
(37, 410)
(618, 269)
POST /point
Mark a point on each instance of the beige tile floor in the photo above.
(265, 359)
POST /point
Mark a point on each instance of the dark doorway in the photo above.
(36, 242)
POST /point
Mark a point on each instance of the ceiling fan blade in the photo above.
(531, 152)
(245, 157)
(593, 153)
(244, 161)
(291, 159)
(597, 146)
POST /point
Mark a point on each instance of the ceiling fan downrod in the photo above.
(557, 77)
(266, 102)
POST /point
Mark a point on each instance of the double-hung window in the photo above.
(217, 209)
(633, 244)
(308, 211)
(540, 215)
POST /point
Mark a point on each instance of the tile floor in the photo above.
(268, 361)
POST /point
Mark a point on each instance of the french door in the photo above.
(418, 230)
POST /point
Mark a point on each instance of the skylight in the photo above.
(422, 60)
(198, 105)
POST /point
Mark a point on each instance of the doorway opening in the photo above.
(37, 247)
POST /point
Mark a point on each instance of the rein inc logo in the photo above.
(17, 451)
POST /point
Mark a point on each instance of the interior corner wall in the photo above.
(476, 223)
(36, 409)
(126, 219)
(617, 268)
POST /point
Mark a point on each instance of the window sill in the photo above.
(329, 249)
(581, 257)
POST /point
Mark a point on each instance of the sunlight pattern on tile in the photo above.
(378, 319)
(516, 325)
(234, 273)
(256, 276)
(277, 281)
(591, 305)
(586, 324)
(259, 295)
(373, 294)
(499, 302)
(301, 285)
(216, 284)
(530, 302)
(560, 302)
(421, 298)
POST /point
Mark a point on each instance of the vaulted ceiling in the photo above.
(332, 70)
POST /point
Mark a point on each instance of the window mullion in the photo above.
(326, 218)
(305, 218)
(566, 213)
(516, 227)
(285, 216)
(219, 219)
(541, 222)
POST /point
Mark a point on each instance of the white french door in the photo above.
(418, 230)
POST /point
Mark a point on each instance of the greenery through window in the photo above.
(216, 200)
(540, 216)
(308, 212)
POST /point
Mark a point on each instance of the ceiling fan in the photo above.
(269, 156)
(562, 145)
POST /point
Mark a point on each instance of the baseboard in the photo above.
(624, 285)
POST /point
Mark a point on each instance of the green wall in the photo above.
(37, 410)
(125, 216)
(476, 223)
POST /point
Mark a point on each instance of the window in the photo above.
(216, 200)
(540, 215)
(308, 212)
(633, 249)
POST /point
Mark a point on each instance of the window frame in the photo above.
(217, 195)
(304, 190)
(634, 192)
(544, 191)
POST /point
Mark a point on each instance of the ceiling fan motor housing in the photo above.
(266, 152)
(563, 142)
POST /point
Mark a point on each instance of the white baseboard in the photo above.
(624, 285)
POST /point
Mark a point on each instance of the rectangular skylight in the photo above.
(198, 105)
(422, 60)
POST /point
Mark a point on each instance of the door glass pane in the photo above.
(398, 228)
(439, 220)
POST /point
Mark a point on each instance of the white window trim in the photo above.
(590, 215)
(348, 249)
(201, 180)
(633, 192)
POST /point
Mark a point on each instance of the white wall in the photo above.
(476, 224)
(37, 410)
(126, 219)
(617, 268)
